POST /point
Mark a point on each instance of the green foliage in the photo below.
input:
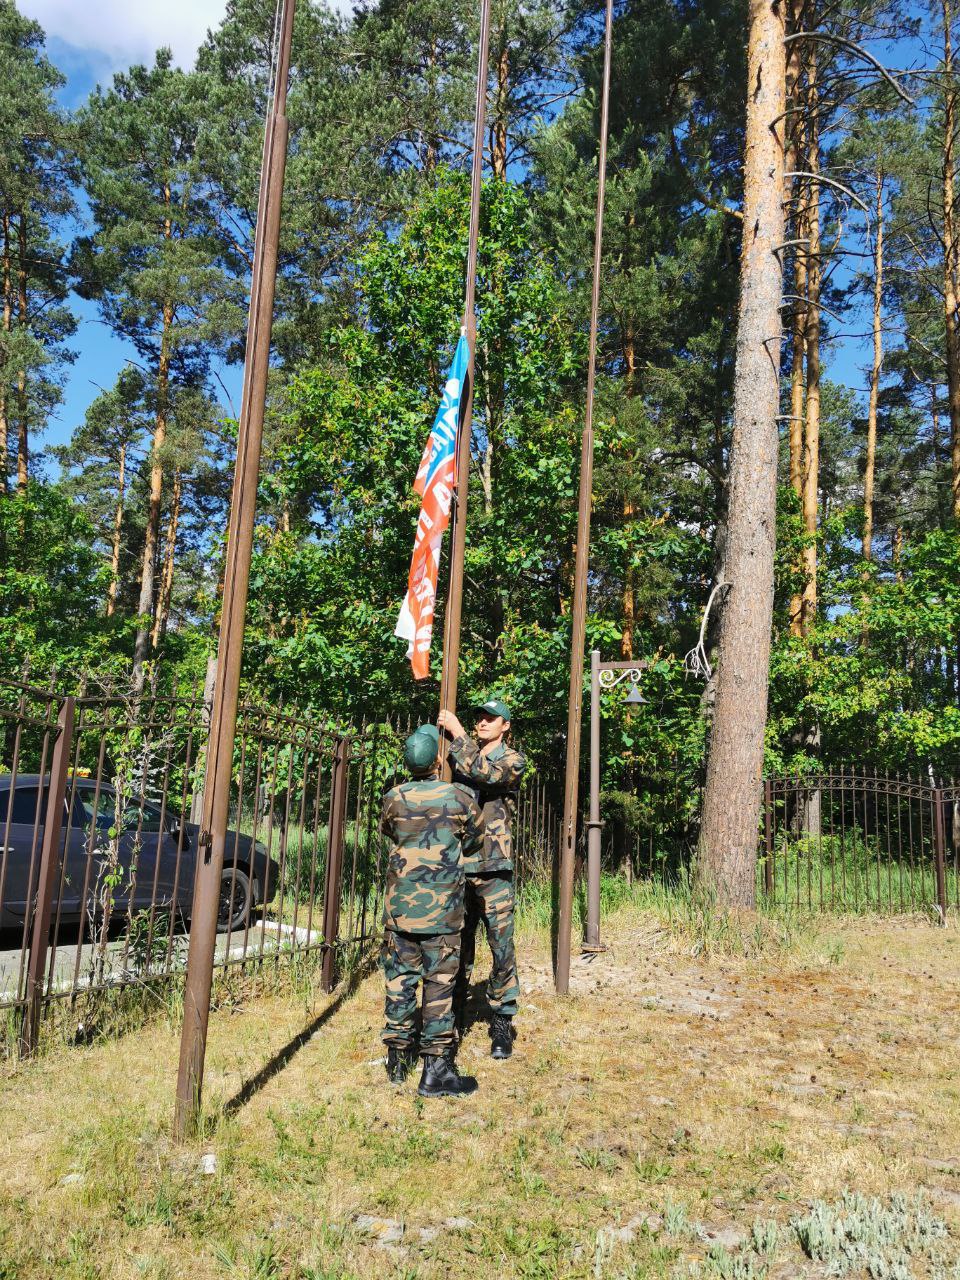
(877, 670)
(49, 575)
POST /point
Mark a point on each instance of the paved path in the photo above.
(264, 938)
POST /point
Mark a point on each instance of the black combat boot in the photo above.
(399, 1064)
(441, 1079)
(502, 1036)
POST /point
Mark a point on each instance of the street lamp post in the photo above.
(604, 676)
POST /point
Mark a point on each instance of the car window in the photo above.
(90, 807)
(106, 813)
(151, 817)
(24, 808)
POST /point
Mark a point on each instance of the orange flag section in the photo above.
(435, 481)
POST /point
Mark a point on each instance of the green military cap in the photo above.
(421, 749)
(494, 708)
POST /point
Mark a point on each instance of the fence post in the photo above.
(939, 853)
(768, 837)
(47, 878)
(334, 868)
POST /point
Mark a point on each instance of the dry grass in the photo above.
(709, 1091)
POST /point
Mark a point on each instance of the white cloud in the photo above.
(125, 31)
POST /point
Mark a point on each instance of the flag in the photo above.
(435, 481)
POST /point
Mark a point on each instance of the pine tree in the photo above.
(103, 454)
(727, 853)
(35, 175)
(162, 274)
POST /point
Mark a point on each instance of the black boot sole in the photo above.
(446, 1093)
(501, 1055)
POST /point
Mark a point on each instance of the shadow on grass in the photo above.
(284, 1056)
(476, 1009)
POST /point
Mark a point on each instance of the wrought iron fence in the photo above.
(537, 829)
(858, 841)
(848, 840)
(99, 841)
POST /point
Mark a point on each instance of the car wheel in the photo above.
(236, 899)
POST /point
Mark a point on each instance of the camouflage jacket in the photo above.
(432, 827)
(495, 780)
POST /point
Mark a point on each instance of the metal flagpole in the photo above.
(223, 720)
(568, 833)
(451, 624)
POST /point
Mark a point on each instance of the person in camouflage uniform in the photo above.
(432, 827)
(493, 770)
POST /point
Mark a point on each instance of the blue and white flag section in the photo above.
(435, 481)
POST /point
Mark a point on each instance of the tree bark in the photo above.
(811, 470)
(145, 606)
(870, 466)
(630, 387)
(796, 161)
(117, 529)
(796, 433)
(950, 260)
(499, 118)
(629, 598)
(727, 853)
(7, 315)
(23, 429)
(169, 557)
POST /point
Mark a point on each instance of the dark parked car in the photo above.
(156, 852)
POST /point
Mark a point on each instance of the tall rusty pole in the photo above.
(568, 831)
(451, 624)
(223, 720)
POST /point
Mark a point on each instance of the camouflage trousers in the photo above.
(490, 898)
(409, 959)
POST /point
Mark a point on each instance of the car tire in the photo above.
(236, 900)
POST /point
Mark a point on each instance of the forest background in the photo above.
(141, 203)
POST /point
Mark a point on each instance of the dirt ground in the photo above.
(673, 1117)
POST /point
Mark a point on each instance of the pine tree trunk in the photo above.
(798, 340)
(799, 346)
(727, 854)
(629, 597)
(499, 121)
(23, 429)
(869, 468)
(796, 161)
(431, 155)
(145, 609)
(117, 529)
(950, 261)
(630, 387)
(166, 582)
(811, 470)
(7, 316)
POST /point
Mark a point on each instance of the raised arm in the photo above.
(506, 772)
